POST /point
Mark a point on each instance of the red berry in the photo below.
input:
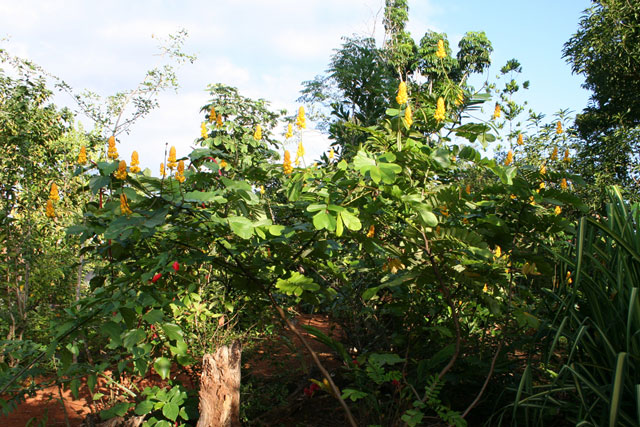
(156, 277)
(176, 266)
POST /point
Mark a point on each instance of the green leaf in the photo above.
(97, 182)
(323, 220)
(441, 157)
(276, 230)
(173, 331)
(427, 217)
(339, 226)
(385, 359)
(241, 226)
(153, 316)
(162, 365)
(316, 207)
(296, 284)
(349, 393)
(144, 407)
(350, 221)
(133, 337)
(170, 410)
(204, 196)
(118, 410)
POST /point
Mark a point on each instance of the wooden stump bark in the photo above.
(220, 387)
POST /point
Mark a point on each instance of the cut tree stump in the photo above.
(220, 387)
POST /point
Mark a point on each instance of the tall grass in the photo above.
(592, 351)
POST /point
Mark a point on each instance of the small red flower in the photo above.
(395, 383)
(176, 266)
(156, 277)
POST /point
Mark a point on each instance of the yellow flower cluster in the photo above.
(558, 128)
(257, 135)
(219, 121)
(393, 265)
(331, 154)
(299, 153)
(112, 152)
(520, 141)
(82, 157)
(171, 161)
(135, 163)
(203, 130)
(301, 122)
(163, 172)
(402, 97)
(51, 212)
(179, 176)
(371, 232)
(566, 156)
(496, 111)
(563, 183)
(543, 170)
(212, 115)
(554, 154)
(498, 252)
(223, 163)
(467, 189)
(262, 189)
(408, 115)
(121, 173)
(124, 205)
(558, 210)
(439, 115)
(53, 193)
(440, 53)
(289, 133)
(286, 165)
(509, 158)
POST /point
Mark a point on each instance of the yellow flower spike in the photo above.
(485, 289)
(441, 53)
(112, 152)
(563, 183)
(289, 133)
(558, 128)
(542, 185)
(121, 173)
(520, 141)
(408, 116)
(82, 157)
(50, 211)
(509, 158)
(402, 97)
(135, 168)
(286, 164)
(543, 170)
(566, 157)
(53, 193)
(163, 172)
(439, 115)
(262, 189)
(300, 152)
(223, 163)
(257, 135)
(124, 205)
(301, 122)
(371, 232)
(171, 161)
(498, 252)
(219, 121)
(180, 172)
(554, 154)
(203, 130)
(467, 189)
(331, 154)
(558, 210)
(496, 111)
(212, 115)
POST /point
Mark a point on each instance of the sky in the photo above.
(267, 48)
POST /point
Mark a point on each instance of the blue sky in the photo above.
(266, 48)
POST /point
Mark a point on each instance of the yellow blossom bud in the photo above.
(50, 211)
(171, 161)
(543, 170)
(509, 158)
(402, 96)
(566, 158)
(219, 121)
(135, 168)
(203, 130)
(112, 152)
(300, 152)
(223, 163)
(289, 133)
(558, 210)
(563, 183)
(558, 128)
(331, 154)
(262, 189)
(513, 197)
(542, 185)
(212, 115)
(257, 135)
(441, 53)
(408, 116)
(554, 154)
(121, 173)
(180, 172)
(485, 288)
(53, 193)
(163, 172)
(496, 111)
(439, 115)
(468, 189)
(498, 252)
(124, 205)
(520, 141)
(82, 157)
(286, 164)
(372, 231)
(301, 122)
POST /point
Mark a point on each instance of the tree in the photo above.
(606, 51)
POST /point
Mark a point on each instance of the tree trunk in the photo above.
(220, 387)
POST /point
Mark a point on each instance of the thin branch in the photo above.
(486, 382)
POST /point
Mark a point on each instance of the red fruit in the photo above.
(395, 383)
(156, 277)
(176, 266)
